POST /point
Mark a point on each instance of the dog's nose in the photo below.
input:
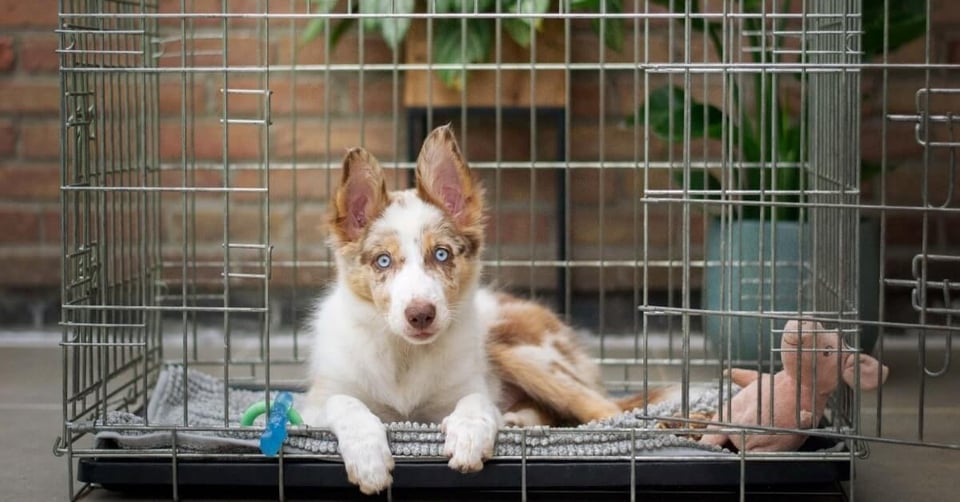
(420, 314)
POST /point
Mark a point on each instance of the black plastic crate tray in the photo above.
(428, 479)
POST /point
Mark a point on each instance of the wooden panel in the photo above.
(481, 85)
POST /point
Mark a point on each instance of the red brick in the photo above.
(31, 267)
(618, 227)
(312, 226)
(343, 134)
(38, 140)
(50, 231)
(19, 226)
(7, 53)
(516, 185)
(38, 54)
(903, 229)
(585, 47)
(29, 96)
(618, 141)
(311, 184)
(901, 142)
(171, 96)
(208, 223)
(242, 50)
(944, 12)
(292, 51)
(584, 98)
(233, 6)
(586, 186)
(8, 139)
(912, 52)
(33, 14)
(244, 141)
(952, 53)
(306, 276)
(30, 182)
(902, 94)
(514, 227)
(309, 97)
(480, 142)
(377, 95)
(375, 51)
(200, 178)
(245, 224)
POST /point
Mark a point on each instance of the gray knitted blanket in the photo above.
(205, 410)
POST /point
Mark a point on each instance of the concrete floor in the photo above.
(30, 389)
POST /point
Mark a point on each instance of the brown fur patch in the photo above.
(564, 385)
(362, 274)
(444, 180)
(523, 322)
(360, 198)
(460, 269)
(568, 398)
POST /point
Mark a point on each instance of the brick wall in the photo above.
(319, 114)
(29, 170)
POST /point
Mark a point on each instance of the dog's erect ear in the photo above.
(445, 180)
(361, 196)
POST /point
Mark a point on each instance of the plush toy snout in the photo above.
(870, 370)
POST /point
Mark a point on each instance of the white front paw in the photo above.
(368, 461)
(469, 441)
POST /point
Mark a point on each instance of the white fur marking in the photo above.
(407, 218)
(471, 432)
(363, 443)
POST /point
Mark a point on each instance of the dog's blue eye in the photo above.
(384, 261)
(441, 254)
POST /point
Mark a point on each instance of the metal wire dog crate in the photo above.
(200, 141)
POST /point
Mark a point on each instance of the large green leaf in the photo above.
(680, 7)
(614, 28)
(907, 21)
(463, 5)
(869, 169)
(521, 29)
(444, 6)
(392, 29)
(316, 27)
(449, 46)
(666, 108)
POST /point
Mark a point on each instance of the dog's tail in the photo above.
(654, 395)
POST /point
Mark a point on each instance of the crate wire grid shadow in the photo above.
(200, 144)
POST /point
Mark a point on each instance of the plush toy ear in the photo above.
(791, 334)
(870, 369)
(445, 180)
(361, 196)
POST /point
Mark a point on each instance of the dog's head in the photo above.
(414, 254)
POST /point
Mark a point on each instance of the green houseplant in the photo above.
(769, 145)
(461, 41)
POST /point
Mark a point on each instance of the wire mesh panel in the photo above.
(110, 207)
(678, 179)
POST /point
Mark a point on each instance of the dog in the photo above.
(406, 331)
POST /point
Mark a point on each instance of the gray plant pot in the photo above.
(738, 278)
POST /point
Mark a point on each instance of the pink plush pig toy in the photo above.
(816, 383)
